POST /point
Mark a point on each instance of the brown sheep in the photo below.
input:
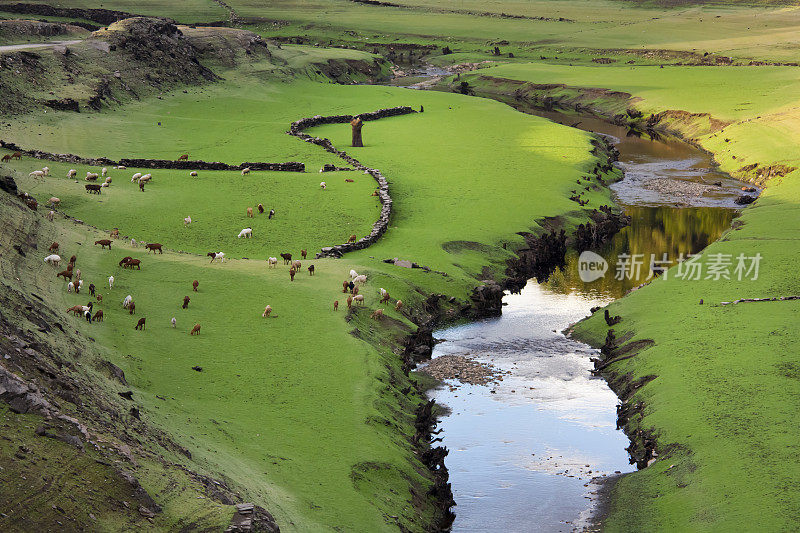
(185, 302)
(352, 238)
(195, 284)
(377, 314)
(103, 243)
(303, 253)
(140, 324)
(349, 302)
(195, 330)
(53, 247)
(311, 270)
(153, 247)
(250, 212)
(98, 316)
(336, 305)
(398, 305)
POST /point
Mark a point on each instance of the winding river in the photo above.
(530, 450)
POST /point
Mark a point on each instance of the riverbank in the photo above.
(707, 389)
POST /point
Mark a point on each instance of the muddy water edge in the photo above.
(531, 432)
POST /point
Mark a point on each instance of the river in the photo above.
(529, 451)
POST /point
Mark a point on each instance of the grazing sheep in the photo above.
(267, 311)
(187, 221)
(110, 282)
(216, 255)
(108, 180)
(336, 305)
(359, 299)
(323, 185)
(121, 167)
(311, 270)
(250, 212)
(272, 262)
(46, 171)
(245, 171)
(398, 305)
(292, 272)
(247, 233)
(352, 238)
(349, 302)
(54, 201)
(183, 157)
(91, 176)
(195, 330)
(271, 213)
(260, 209)
(193, 173)
(296, 265)
(70, 286)
(50, 215)
(104, 172)
(185, 302)
(127, 301)
(104, 184)
(360, 279)
(140, 324)
(287, 258)
(114, 233)
(103, 243)
(154, 247)
(72, 173)
(345, 286)
(36, 174)
(98, 316)
(377, 314)
(145, 178)
(195, 284)
(174, 322)
(353, 274)
(136, 177)
(53, 259)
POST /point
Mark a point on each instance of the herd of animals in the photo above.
(73, 276)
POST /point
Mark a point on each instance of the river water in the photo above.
(529, 452)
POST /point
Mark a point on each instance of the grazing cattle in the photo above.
(98, 316)
(359, 299)
(173, 322)
(245, 171)
(124, 260)
(336, 305)
(323, 185)
(377, 314)
(267, 311)
(185, 302)
(345, 286)
(292, 272)
(303, 253)
(260, 209)
(287, 258)
(110, 282)
(195, 284)
(271, 213)
(72, 173)
(349, 302)
(154, 247)
(193, 173)
(398, 305)
(195, 330)
(54, 201)
(91, 289)
(53, 247)
(187, 221)
(50, 215)
(247, 233)
(66, 274)
(140, 324)
(272, 262)
(352, 238)
(53, 259)
(296, 265)
(183, 157)
(103, 243)
(216, 255)
(114, 233)
(310, 270)
(250, 212)
(93, 189)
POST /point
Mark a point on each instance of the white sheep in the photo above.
(70, 286)
(136, 177)
(36, 174)
(127, 301)
(353, 274)
(121, 167)
(359, 298)
(323, 185)
(80, 284)
(53, 259)
(110, 282)
(104, 172)
(245, 171)
(273, 262)
(246, 233)
(50, 215)
(104, 184)
(360, 279)
(145, 178)
(46, 171)
(173, 321)
(193, 173)
(91, 176)
(108, 179)
(72, 173)
(187, 221)
(54, 201)
(383, 292)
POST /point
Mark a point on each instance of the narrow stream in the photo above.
(529, 451)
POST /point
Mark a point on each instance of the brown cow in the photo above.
(103, 243)
(153, 246)
(195, 284)
(195, 330)
(140, 324)
(53, 247)
(98, 316)
(183, 157)
(185, 302)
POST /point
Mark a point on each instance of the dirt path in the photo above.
(15, 47)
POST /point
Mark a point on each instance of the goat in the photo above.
(292, 272)
(99, 297)
(103, 243)
(127, 301)
(271, 213)
(323, 185)
(141, 185)
(353, 274)
(110, 282)
(187, 221)
(66, 274)
(140, 324)
(75, 309)
(267, 311)
(303, 253)
(98, 316)
(311, 270)
(153, 247)
(73, 259)
(247, 233)
(272, 262)
(174, 322)
(185, 302)
(195, 330)
(349, 302)
(352, 238)
(114, 233)
(260, 209)
(377, 314)
(50, 215)
(348, 180)
(385, 298)
(360, 279)
(359, 299)
(88, 316)
(398, 305)
(336, 305)
(53, 259)
(245, 171)
(70, 286)
(183, 157)
(287, 258)
(132, 308)
(250, 212)
(91, 289)
(216, 255)
(133, 263)
(124, 260)
(93, 189)
(345, 286)
(193, 173)
(296, 265)
(195, 284)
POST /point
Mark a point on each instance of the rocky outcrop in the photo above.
(251, 517)
(101, 16)
(380, 226)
